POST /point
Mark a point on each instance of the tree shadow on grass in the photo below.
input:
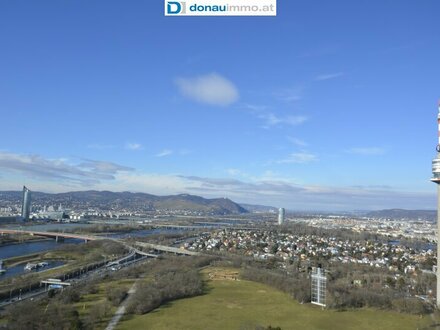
(206, 289)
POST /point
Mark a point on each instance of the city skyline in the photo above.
(328, 107)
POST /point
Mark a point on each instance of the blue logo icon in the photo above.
(174, 7)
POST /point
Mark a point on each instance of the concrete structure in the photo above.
(26, 204)
(54, 283)
(57, 236)
(436, 179)
(55, 215)
(319, 287)
(281, 214)
(164, 248)
(86, 238)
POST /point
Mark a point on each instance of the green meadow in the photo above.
(239, 304)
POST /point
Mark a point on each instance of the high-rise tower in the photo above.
(281, 214)
(436, 179)
(26, 204)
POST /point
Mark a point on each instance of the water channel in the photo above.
(25, 248)
(19, 269)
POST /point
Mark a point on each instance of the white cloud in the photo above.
(133, 146)
(157, 184)
(254, 107)
(308, 197)
(233, 171)
(237, 173)
(184, 152)
(367, 151)
(44, 175)
(329, 76)
(100, 146)
(210, 89)
(289, 95)
(164, 153)
(299, 158)
(37, 167)
(297, 142)
(271, 176)
(273, 120)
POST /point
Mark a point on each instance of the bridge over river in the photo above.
(86, 238)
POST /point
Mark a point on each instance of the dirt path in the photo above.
(436, 324)
(121, 310)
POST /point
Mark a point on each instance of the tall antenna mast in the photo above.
(436, 179)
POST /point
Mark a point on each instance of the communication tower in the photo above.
(436, 179)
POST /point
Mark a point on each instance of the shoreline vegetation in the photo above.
(22, 239)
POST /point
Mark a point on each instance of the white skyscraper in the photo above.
(26, 204)
(281, 214)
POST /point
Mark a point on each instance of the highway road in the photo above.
(80, 277)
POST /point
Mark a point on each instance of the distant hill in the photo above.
(107, 200)
(258, 208)
(429, 215)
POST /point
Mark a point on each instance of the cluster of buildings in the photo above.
(264, 244)
(418, 229)
(28, 212)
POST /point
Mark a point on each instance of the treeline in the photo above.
(348, 285)
(167, 238)
(356, 286)
(166, 287)
(58, 312)
(27, 315)
(298, 287)
(171, 278)
(93, 250)
(107, 228)
(346, 297)
(156, 267)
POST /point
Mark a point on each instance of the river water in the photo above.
(15, 250)
(19, 269)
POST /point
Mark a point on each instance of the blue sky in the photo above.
(330, 105)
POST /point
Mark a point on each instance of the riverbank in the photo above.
(28, 239)
(14, 261)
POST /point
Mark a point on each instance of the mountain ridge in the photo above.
(129, 200)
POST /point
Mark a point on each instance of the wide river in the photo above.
(15, 250)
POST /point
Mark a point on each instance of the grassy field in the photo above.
(89, 302)
(242, 305)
